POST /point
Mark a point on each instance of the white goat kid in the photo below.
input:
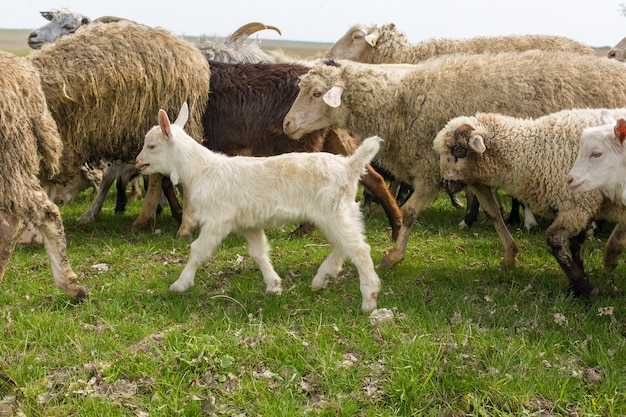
(601, 160)
(246, 194)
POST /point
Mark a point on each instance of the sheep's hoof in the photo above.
(77, 292)
(182, 233)
(141, 225)
(610, 263)
(587, 290)
(463, 225)
(390, 260)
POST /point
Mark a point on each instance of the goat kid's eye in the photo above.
(596, 154)
(459, 151)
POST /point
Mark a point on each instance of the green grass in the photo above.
(467, 338)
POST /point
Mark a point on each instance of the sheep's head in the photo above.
(320, 93)
(460, 146)
(356, 45)
(601, 160)
(618, 52)
(62, 22)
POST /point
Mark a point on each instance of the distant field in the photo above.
(14, 40)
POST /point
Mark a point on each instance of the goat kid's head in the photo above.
(156, 155)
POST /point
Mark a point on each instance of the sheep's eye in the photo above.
(596, 154)
(317, 93)
(459, 151)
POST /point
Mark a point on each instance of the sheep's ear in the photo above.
(607, 119)
(477, 144)
(620, 130)
(47, 15)
(333, 96)
(371, 39)
(183, 115)
(164, 124)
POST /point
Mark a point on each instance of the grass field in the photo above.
(466, 336)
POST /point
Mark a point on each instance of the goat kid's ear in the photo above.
(620, 130)
(333, 96)
(183, 115)
(164, 124)
(607, 119)
(477, 144)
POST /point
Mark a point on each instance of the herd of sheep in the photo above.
(481, 113)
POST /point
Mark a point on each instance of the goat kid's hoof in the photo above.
(180, 287)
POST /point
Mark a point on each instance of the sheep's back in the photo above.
(106, 83)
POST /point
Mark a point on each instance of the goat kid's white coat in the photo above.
(246, 194)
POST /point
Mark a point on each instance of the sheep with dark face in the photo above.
(125, 72)
(418, 103)
(30, 146)
(494, 150)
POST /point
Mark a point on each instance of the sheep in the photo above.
(375, 44)
(30, 147)
(409, 110)
(266, 192)
(618, 52)
(121, 71)
(61, 22)
(601, 159)
(385, 44)
(495, 150)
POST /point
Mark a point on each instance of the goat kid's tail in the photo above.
(364, 153)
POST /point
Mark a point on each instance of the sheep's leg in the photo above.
(614, 247)
(188, 224)
(376, 183)
(170, 195)
(471, 214)
(98, 202)
(147, 215)
(558, 235)
(136, 192)
(204, 246)
(424, 194)
(10, 228)
(50, 225)
(259, 251)
(577, 248)
(346, 237)
(488, 200)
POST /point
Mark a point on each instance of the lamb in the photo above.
(418, 104)
(618, 52)
(495, 150)
(385, 44)
(121, 71)
(266, 192)
(30, 147)
(601, 160)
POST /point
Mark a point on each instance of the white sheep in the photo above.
(409, 110)
(30, 149)
(601, 160)
(495, 150)
(246, 194)
(618, 52)
(375, 44)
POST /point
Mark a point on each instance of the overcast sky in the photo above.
(595, 23)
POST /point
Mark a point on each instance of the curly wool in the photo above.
(548, 144)
(105, 83)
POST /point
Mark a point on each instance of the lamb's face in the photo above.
(600, 163)
(310, 111)
(459, 148)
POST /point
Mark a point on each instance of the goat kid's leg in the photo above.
(51, 228)
(424, 194)
(614, 247)
(557, 237)
(204, 246)
(529, 218)
(10, 229)
(259, 251)
(147, 215)
(488, 200)
(347, 238)
(377, 185)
